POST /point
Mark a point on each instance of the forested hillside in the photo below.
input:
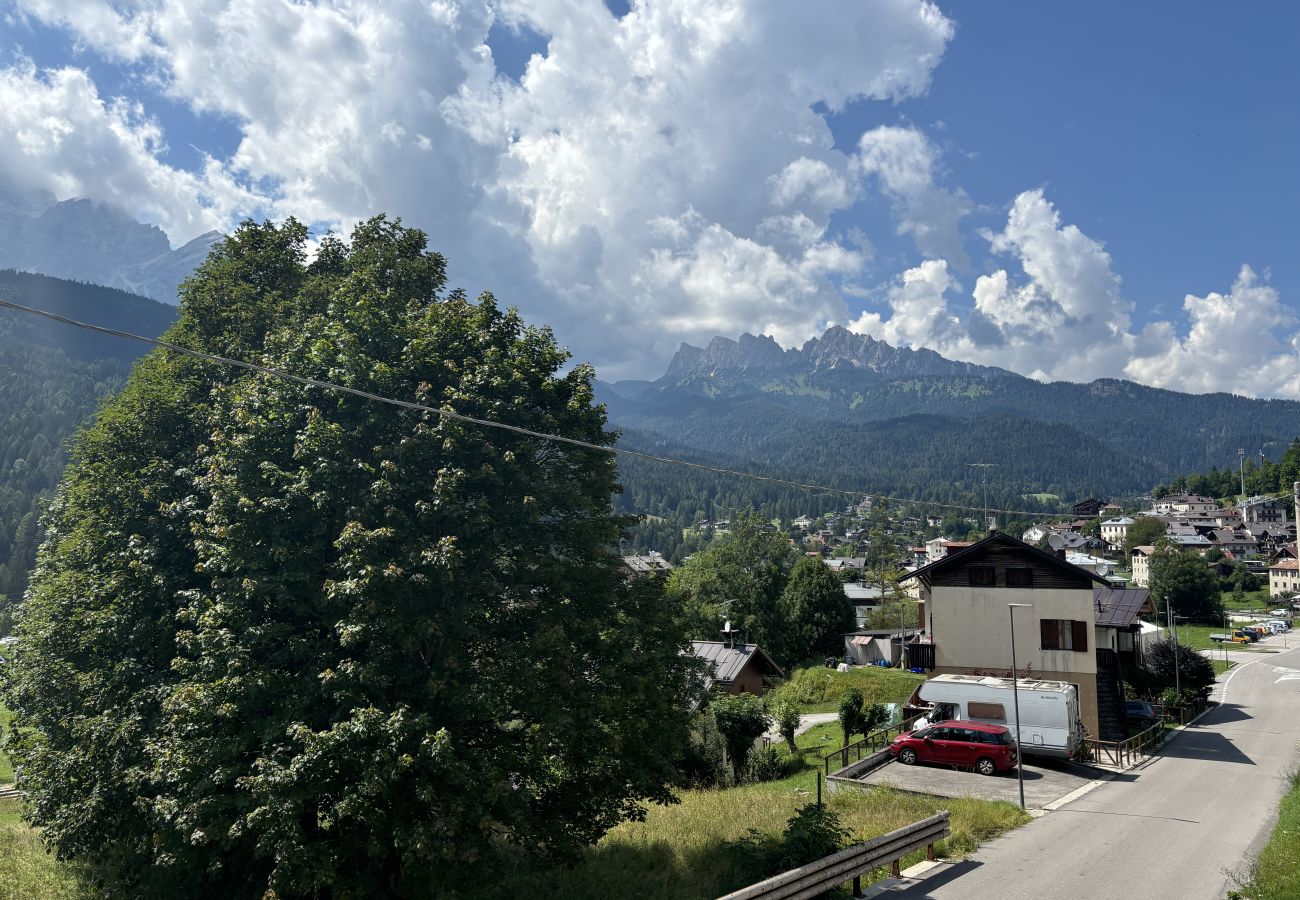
(51, 378)
(854, 413)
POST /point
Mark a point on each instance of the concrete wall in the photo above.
(971, 628)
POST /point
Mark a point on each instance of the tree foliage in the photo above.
(815, 613)
(1144, 531)
(287, 642)
(851, 714)
(741, 720)
(1184, 580)
(1195, 671)
(741, 578)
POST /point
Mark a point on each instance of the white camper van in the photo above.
(1050, 724)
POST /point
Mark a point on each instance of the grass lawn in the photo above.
(27, 871)
(1276, 874)
(716, 841)
(1255, 600)
(1222, 665)
(6, 767)
(1198, 637)
(819, 689)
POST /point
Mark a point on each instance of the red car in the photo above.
(971, 745)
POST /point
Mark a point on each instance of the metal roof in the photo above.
(728, 662)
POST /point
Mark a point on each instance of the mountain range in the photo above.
(95, 243)
(848, 411)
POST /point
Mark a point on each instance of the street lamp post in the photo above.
(1173, 631)
(1015, 699)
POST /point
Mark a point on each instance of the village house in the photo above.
(735, 668)
(1283, 577)
(1140, 565)
(1089, 508)
(941, 547)
(1113, 531)
(966, 620)
(1264, 509)
(1186, 503)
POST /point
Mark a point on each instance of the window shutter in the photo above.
(1050, 639)
(1080, 636)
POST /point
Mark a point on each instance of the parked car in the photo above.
(1049, 710)
(1140, 714)
(971, 745)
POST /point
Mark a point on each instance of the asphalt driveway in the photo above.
(1045, 781)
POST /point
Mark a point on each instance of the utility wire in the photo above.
(485, 423)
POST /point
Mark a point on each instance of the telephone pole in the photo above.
(984, 479)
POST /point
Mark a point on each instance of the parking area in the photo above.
(1045, 781)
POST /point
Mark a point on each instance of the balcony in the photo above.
(921, 656)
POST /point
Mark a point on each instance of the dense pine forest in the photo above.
(52, 377)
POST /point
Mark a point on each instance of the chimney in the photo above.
(1295, 496)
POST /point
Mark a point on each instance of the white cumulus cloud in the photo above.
(637, 166)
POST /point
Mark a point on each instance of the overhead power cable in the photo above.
(485, 423)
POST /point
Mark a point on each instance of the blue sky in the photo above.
(1031, 185)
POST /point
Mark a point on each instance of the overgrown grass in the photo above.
(819, 689)
(6, 766)
(1276, 874)
(27, 871)
(713, 841)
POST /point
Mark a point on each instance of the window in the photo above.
(1017, 577)
(1064, 634)
(982, 576)
(994, 711)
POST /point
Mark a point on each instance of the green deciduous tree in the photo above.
(850, 714)
(1144, 531)
(786, 713)
(287, 642)
(1184, 580)
(815, 613)
(749, 567)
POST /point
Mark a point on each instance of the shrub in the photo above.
(767, 764)
(813, 832)
(741, 720)
(1196, 673)
(704, 764)
(851, 713)
(786, 713)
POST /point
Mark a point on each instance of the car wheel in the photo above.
(985, 766)
(907, 756)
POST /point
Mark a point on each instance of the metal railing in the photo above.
(850, 864)
(1130, 750)
(865, 746)
(1126, 752)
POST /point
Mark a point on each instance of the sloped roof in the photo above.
(728, 662)
(997, 537)
(1286, 564)
(1119, 608)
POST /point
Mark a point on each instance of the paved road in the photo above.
(1180, 825)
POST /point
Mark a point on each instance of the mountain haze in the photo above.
(96, 243)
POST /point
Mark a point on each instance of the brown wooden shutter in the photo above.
(1080, 636)
(1050, 636)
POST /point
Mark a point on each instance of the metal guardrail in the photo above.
(865, 746)
(850, 864)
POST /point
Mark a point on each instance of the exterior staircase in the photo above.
(1110, 698)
